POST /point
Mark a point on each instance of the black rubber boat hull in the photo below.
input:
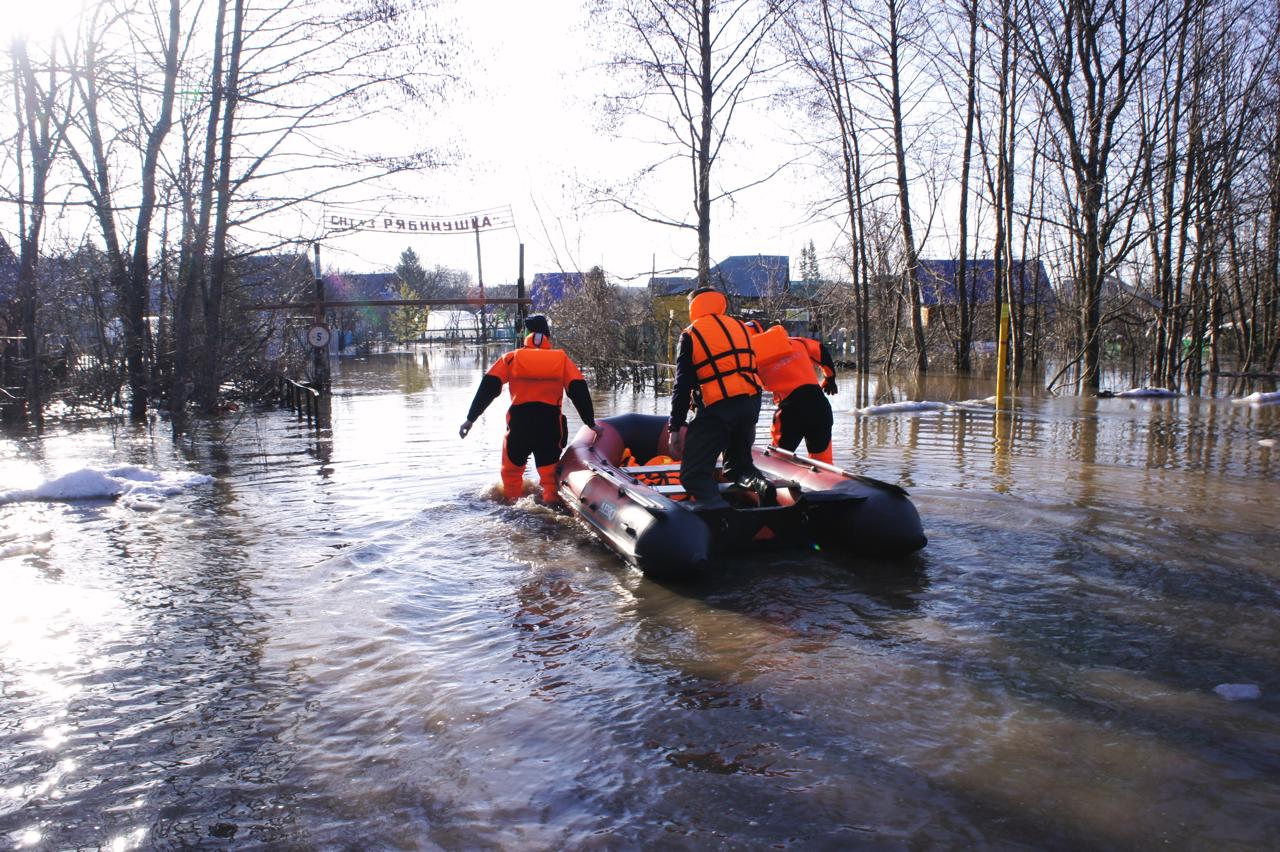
(823, 507)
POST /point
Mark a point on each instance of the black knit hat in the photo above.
(537, 324)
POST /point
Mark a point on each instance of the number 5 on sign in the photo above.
(318, 336)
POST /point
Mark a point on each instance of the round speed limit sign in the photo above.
(318, 336)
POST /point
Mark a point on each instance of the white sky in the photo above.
(530, 134)
(528, 129)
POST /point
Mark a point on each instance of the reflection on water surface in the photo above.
(343, 640)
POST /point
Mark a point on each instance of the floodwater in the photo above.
(344, 641)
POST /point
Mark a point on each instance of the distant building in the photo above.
(274, 275)
(748, 281)
(452, 325)
(938, 282)
(547, 288)
(362, 286)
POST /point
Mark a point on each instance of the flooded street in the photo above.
(345, 641)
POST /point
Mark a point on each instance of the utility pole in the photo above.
(522, 311)
(484, 333)
(319, 346)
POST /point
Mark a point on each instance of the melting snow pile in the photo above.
(136, 486)
(1260, 398)
(1157, 392)
(898, 407)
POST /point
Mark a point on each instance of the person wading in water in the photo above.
(538, 377)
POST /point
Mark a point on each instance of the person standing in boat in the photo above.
(538, 377)
(716, 371)
(786, 367)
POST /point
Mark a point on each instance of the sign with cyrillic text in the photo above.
(404, 223)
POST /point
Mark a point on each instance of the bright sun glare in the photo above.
(38, 20)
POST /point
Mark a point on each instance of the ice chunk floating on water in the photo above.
(898, 407)
(1260, 398)
(135, 485)
(1238, 691)
(13, 545)
(1159, 392)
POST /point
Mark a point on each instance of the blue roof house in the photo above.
(938, 282)
(748, 276)
(548, 288)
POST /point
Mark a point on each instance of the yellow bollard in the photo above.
(1002, 356)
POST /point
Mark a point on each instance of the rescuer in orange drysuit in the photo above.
(786, 367)
(715, 366)
(537, 376)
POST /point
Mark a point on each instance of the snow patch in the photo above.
(22, 548)
(1238, 691)
(1151, 392)
(1267, 442)
(137, 487)
(898, 407)
(1259, 398)
(15, 544)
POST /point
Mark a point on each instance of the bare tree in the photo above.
(40, 114)
(1089, 56)
(693, 65)
(965, 333)
(818, 42)
(110, 85)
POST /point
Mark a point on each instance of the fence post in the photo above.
(1002, 356)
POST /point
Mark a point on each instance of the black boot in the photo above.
(762, 487)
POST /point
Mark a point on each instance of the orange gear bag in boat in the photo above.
(662, 477)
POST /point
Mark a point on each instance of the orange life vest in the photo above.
(536, 372)
(723, 360)
(792, 369)
(769, 345)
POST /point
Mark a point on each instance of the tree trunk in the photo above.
(195, 247)
(34, 116)
(965, 335)
(138, 292)
(911, 284)
(704, 145)
(218, 262)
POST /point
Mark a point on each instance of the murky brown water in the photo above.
(346, 642)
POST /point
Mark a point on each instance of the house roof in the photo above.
(753, 275)
(749, 275)
(938, 281)
(547, 288)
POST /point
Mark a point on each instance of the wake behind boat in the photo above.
(640, 511)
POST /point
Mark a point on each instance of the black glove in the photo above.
(829, 386)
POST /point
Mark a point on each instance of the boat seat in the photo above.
(679, 489)
(658, 468)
